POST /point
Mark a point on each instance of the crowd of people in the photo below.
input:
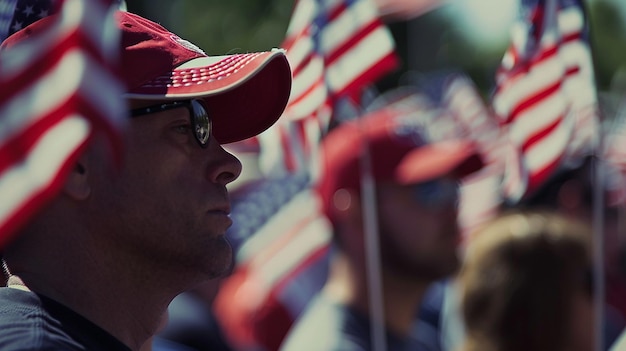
(131, 258)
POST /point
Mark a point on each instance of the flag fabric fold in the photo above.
(336, 48)
(281, 240)
(545, 97)
(57, 89)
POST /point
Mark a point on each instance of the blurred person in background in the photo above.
(526, 284)
(416, 191)
(571, 192)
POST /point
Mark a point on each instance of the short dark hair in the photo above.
(520, 270)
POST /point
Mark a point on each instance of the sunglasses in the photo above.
(437, 193)
(200, 121)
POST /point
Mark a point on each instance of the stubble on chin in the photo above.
(219, 258)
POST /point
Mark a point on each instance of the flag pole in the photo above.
(598, 204)
(598, 247)
(372, 259)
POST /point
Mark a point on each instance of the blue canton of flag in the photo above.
(17, 14)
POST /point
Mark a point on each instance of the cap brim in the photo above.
(245, 93)
(457, 158)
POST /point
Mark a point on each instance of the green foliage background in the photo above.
(229, 26)
(221, 26)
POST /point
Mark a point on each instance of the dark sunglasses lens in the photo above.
(437, 193)
(201, 122)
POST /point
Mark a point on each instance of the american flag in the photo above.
(462, 99)
(545, 96)
(281, 241)
(478, 201)
(335, 48)
(57, 88)
(17, 14)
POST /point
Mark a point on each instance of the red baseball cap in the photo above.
(400, 150)
(245, 93)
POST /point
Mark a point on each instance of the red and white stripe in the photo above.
(579, 85)
(545, 96)
(268, 264)
(479, 202)
(56, 90)
(335, 48)
(462, 99)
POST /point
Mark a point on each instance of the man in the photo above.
(416, 192)
(97, 268)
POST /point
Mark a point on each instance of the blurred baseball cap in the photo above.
(244, 93)
(401, 149)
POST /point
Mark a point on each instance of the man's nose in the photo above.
(224, 167)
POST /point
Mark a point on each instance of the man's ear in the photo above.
(77, 184)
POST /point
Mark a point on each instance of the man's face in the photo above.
(168, 205)
(419, 233)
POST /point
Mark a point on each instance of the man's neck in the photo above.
(402, 301)
(128, 306)
(401, 298)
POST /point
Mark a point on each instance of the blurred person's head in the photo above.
(415, 181)
(526, 284)
(572, 191)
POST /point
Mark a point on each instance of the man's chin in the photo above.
(221, 263)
